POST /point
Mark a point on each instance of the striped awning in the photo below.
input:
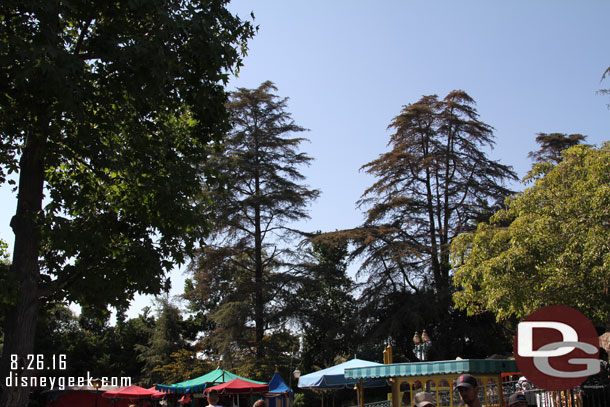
(480, 366)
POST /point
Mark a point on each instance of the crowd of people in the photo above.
(468, 388)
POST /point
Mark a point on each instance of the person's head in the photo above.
(212, 397)
(259, 403)
(517, 400)
(424, 399)
(467, 386)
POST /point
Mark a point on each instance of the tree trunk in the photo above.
(433, 242)
(20, 324)
(259, 318)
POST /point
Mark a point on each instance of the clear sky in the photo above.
(348, 67)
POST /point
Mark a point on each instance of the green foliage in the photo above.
(4, 255)
(220, 293)
(549, 247)
(131, 334)
(110, 110)
(59, 332)
(299, 400)
(166, 339)
(8, 288)
(121, 103)
(183, 365)
(90, 345)
(326, 309)
(279, 345)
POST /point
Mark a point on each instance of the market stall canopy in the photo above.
(69, 396)
(334, 378)
(444, 367)
(279, 394)
(132, 393)
(277, 385)
(199, 384)
(239, 386)
(81, 388)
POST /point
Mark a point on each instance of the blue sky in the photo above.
(349, 66)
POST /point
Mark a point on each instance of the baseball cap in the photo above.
(517, 398)
(424, 399)
(466, 380)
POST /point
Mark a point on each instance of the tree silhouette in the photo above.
(260, 166)
(552, 144)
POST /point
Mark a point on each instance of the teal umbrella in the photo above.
(199, 384)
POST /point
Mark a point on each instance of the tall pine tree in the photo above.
(264, 193)
(429, 187)
(432, 185)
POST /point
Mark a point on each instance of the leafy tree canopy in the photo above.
(110, 110)
(325, 308)
(6, 298)
(166, 338)
(122, 101)
(90, 344)
(220, 293)
(183, 365)
(550, 246)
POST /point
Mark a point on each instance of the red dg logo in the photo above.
(556, 348)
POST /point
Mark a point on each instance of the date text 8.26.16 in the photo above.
(38, 362)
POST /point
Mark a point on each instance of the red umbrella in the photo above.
(239, 386)
(131, 392)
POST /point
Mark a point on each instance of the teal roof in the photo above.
(473, 366)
